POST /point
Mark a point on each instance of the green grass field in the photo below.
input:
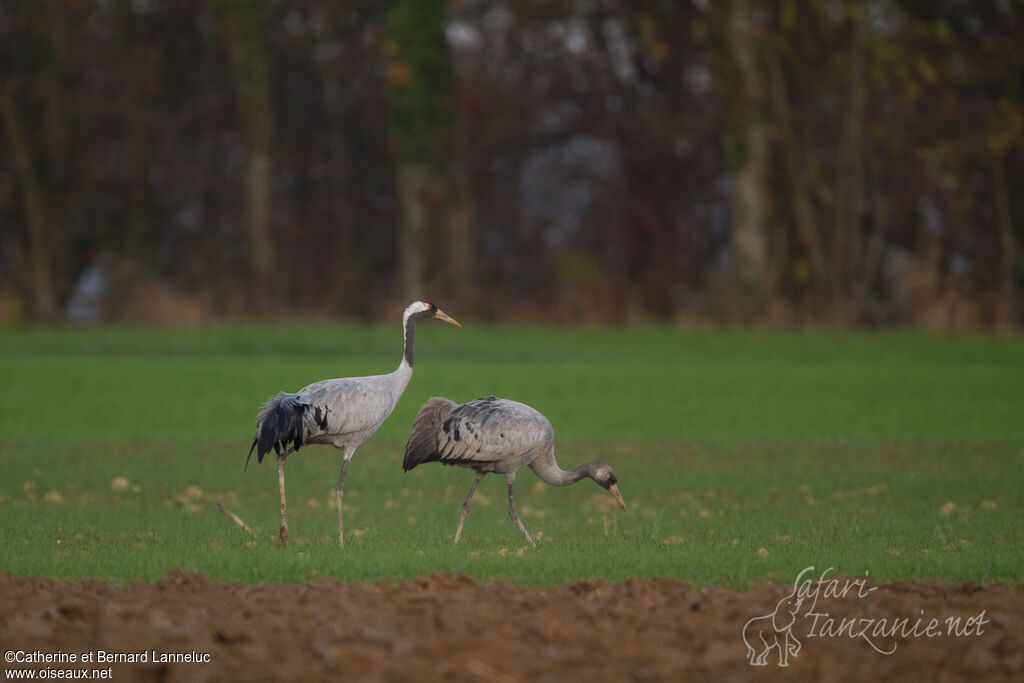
(743, 456)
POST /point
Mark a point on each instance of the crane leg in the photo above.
(339, 492)
(465, 507)
(280, 482)
(512, 512)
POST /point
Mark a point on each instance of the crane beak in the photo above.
(614, 488)
(441, 315)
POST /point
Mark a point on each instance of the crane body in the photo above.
(495, 435)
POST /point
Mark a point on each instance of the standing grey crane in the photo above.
(495, 435)
(341, 412)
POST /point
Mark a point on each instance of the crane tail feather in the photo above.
(282, 421)
(422, 445)
(249, 457)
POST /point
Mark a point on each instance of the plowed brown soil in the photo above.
(451, 628)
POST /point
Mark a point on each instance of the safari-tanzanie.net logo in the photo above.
(777, 635)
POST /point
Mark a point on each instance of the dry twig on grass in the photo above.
(235, 518)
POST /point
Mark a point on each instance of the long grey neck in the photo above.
(548, 470)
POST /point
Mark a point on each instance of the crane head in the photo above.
(605, 478)
(425, 308)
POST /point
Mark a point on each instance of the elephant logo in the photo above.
(763, 634)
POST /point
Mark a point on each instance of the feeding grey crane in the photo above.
(495, 435)
(342, 412)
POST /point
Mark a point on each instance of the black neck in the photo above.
(410, 339)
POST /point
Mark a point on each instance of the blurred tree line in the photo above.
(787, 162)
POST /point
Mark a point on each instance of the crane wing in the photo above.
(480, 431)
(322, 411)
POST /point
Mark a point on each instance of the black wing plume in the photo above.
(282, 422)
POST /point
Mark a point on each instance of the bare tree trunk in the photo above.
(56, 128)
(1007, 300)
(874, 249)
(750, 196)
(847, 247)
(34, 206)
(462, 222)
(257, 218)
(462, 244)
(804, 214)
(421, 93)
(341, 214)
(242, 28)
(413, 179)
